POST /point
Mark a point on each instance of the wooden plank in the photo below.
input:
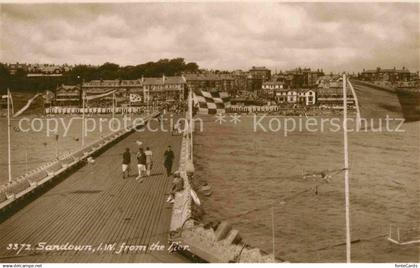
(95, 205)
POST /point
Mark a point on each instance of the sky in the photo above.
(225, 36)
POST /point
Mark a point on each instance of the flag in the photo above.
(24, 108)
(135, 97)
(97, 96)
(211, 102)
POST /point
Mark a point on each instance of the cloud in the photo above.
(333, 36)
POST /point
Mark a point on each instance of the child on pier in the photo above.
(141, 163)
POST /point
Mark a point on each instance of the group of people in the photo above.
(145, 162)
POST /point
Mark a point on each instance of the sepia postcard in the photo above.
(166, 132)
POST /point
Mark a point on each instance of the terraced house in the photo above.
(391, 75)
(211, 81)
(147, 89)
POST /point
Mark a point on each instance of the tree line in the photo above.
(106, 71)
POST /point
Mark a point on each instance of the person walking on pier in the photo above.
(141, 163)
(169, 158)
(126, 163)
(149, 162)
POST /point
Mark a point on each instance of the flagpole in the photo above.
(113, 105)
(56, 146)
(148, 99)
(83, 118)
(26, 160)
(8, 137)
(346, 172)
(191, 122)
(129, 106)
(356, 102)
(273, 232)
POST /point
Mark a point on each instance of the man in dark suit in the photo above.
(168, 160)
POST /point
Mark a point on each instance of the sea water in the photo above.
(252, 172)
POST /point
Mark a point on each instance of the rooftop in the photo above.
(394, 70)
(259, 68)
(208, 76)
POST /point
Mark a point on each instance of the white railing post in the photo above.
(346, 172)
(9, 156)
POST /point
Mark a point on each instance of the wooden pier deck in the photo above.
(95, 205)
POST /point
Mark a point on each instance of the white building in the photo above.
(296, 96)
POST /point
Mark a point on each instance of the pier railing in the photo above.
(28, 183)
(181, 212)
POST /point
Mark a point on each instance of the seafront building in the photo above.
(298, 77)
(165, 88)
(211, 81)
(133, 92)
(391, 75)
(295, 88)
(69, 96)
(256, 77)
(295, 96)
(326, 93)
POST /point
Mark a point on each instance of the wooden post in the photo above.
(346, 172)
